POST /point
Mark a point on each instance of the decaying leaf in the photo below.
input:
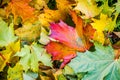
(20, 8)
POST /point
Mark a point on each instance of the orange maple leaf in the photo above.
(20, 8)
(85, 32)
(60, 51)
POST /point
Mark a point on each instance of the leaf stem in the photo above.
(2, 56)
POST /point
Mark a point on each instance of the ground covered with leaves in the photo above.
(59, 39)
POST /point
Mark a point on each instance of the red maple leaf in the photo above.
(60, 52)
(69, 39)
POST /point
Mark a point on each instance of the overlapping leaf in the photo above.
(72, 39)
(102, 24)
(55, 15)
(85, 32)
(31, 55)
(15, 73)
(88, 7)
(20, 8)
(29, 31)
(6, 33)
(7, 55)
(60, 52)
(99, 64)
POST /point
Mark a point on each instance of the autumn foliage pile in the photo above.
(59, 39)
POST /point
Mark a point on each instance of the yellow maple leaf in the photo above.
(88, 7)
(55, 15)
(29, 31)
(7, 54)
(101, 25)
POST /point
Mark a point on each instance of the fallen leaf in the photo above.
(31, 55)
(88, 7)
(15, 73)
(117, 33)
(101, 25)
(60, 52)
(117, 45)
(69, 39)
(29, 31)
(99, 65)
(44, 38)
(8, 54)
(6, 33)
(55, 15)
(117, 6)
(67, 35)
(85, 32)
(20, 8)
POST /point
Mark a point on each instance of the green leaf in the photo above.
(68, 70)
(42, 55)
(106, 9)
(61, 77)
(6, 33)
(118, 6)
(27, 77)
(31, 55)
(44, 39)
(99, 65)
(25, 58)
(15, 73)
(77, 76)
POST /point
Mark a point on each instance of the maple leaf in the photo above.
(15, 73)
(6, 55)
(44, 38)
(69, 36)
(20, 8)
(117, 6)
(30, 55)
(85, 32)
(99, 64)
(102, 24)
(29, 31)
(88, 7)
(74, 39)
(60, 52)
(55, 15)
(65, 34)
(6, 33)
